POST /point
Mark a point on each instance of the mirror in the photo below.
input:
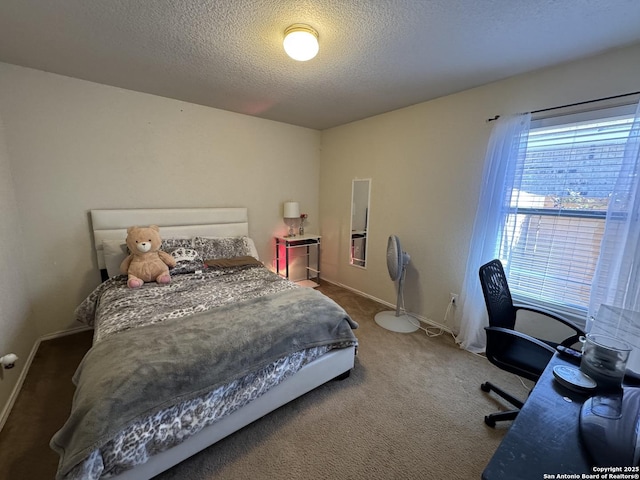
(360, 196)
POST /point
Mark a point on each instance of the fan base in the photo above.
(400, 324)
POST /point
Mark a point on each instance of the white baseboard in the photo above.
(27, 364)
(64, 333)
(422, 319)
(18, 386)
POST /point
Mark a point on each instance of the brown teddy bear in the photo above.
(146, 262)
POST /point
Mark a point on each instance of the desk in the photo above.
(545, 436)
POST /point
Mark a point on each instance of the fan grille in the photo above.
(394, 258)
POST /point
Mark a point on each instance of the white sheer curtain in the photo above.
(614, 306)
(507, 143)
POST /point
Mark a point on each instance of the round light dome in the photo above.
(301, 42)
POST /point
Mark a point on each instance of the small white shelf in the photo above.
(300, 241)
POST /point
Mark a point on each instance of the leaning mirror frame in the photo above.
(360, 200)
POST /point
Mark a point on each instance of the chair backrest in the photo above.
(497, 296)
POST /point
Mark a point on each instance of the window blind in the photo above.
(555, 213)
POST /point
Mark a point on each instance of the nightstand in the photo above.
(285, 246)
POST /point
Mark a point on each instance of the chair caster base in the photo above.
(490, 421)
(485, 387)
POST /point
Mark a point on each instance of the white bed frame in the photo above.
(212, 222)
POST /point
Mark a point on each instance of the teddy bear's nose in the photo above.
(144, 247)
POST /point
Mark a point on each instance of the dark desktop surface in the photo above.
(544, 441)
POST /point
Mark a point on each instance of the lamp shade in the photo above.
(301, 42)
(291, 210)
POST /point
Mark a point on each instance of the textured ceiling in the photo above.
(375, 55)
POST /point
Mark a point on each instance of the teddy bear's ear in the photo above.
(154, 227)
(131, 229)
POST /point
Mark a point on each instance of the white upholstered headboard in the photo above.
(173, 222)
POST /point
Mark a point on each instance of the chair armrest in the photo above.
(567, 341)
(519, 335)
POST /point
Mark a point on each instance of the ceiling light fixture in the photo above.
(301, 42)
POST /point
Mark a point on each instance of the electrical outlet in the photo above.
(453, 298)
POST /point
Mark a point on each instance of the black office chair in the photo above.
(507, 348)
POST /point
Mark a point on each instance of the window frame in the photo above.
(561, 117)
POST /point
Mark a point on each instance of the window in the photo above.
(558, 204)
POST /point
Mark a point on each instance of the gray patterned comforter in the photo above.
(115, 310)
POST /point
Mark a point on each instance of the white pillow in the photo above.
(115, 251)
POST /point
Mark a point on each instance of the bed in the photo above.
(175, 368)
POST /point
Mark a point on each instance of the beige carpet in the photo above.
(411, 409)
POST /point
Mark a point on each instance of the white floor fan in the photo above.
(397, 262)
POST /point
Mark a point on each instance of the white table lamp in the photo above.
(291, 216)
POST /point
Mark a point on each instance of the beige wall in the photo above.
(425, 163)
(17, 333)
(75, 146)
